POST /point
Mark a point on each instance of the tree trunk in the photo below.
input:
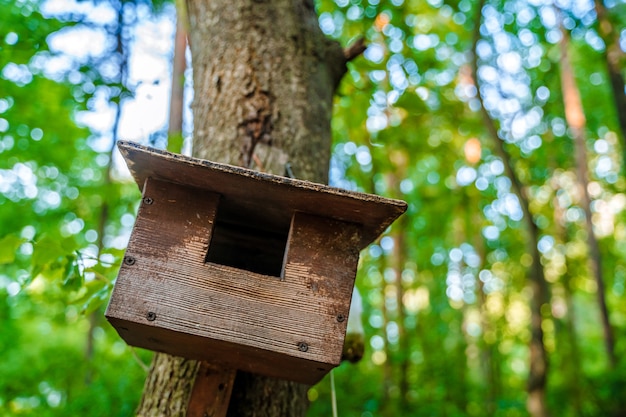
(615, 58)
(537, 376)
(569, 346)
(575, 117)
(179, 62)
(488, 362)
(168, 385)
(397, 260)
(264, 78)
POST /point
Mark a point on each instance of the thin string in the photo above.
(333, 396)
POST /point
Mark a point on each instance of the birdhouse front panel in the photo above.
(247, 270)
(169, 298)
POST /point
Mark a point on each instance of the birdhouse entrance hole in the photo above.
(247, 247)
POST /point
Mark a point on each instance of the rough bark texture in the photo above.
(258, 396)
(264, 78)
(168, 386)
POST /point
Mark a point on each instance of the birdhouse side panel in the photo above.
(173, 228)
(322, 254)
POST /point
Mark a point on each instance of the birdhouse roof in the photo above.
(266, 201)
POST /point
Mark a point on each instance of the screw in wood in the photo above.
(151, 316)
(129, 260)
(341, 317)
(303, 347)
(148, 200)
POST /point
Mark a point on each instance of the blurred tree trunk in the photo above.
(179, 62)
(615, 61)
(120, 50)
(537, 376)
(399, 255)
(575, 117)
(388, 380)
(572, 359)
(397, 262)
(264, 78)
(488, 362)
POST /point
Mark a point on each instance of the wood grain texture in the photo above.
(169, 299)
(266, 200)
(211, 391)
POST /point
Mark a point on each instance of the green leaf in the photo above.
(89, 289)
(95, 301)
(47, 250)
(8, 247)
(72, 277)
(412, 103)
(175, 143)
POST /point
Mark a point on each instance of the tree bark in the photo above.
(264, 79)
(168, 386)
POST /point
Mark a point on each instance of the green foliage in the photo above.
(175, 143)
(445, 292)
(61, 220)
(44, 367)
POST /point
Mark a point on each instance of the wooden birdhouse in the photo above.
(244, 269)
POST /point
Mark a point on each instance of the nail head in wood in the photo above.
(129, 260)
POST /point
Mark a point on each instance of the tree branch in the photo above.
(357, 48)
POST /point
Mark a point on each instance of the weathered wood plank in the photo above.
(169, 299)
(263, 199)
(246, 270)
(211, 391)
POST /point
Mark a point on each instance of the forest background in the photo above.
(502, 124)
